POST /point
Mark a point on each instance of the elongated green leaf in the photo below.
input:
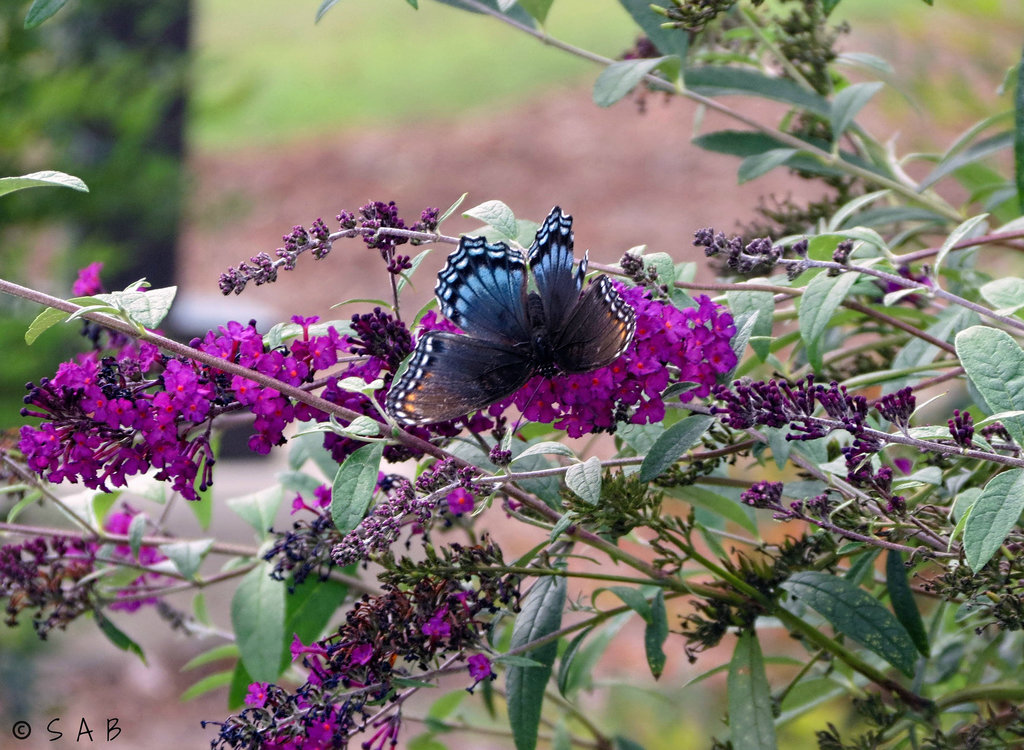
(497, 215)
(576, 665)
(41, 179)
(541, 615)
(353, 486)
(208, 683)
(760, 164)
(822, 298)
(655, 634)
(992, 516)
(257, 617)
(585, 479)
(855, 613)
(1006, 294)
(545, 448)
(751, 725)
(217, 653)
(727, 508)
(147, 309)
(676, 440)
(995, 364)
(619, 78)
(325, 6)
(668, 41)
(239, 687)
(903, 603)
(720, 81)
(980, 150)
(118, 637)
(848, 103)
(956, 235)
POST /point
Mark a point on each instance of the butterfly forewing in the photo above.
(482, 290)
(551, 260)
(451, 375)
(598, 329)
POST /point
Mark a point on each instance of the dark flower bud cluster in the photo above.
(694, 16)
(45, 576)
(779, 404)
(305, 549)
(763, 494)
(643, 275)
(318, 241)
(757, 258)
(401, 508)
(898, 407)
(642, 49)
(961, 428)
(841, 255)
(358, 665)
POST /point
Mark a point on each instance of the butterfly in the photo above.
(511, 332)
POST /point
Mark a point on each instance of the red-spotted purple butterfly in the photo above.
(511, 333)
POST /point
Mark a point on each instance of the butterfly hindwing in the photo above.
(598, 329)
(551, 260)
(482, 290)
(450, 375)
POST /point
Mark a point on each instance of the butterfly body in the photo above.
(511, 332)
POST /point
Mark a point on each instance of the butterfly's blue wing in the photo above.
(482, 290)
(596, 331)
(551, 260)
(450, 375)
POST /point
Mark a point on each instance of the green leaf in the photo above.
(1018, 134)
(118, 637)
(257, 617)
(635, 599)
(41, 179)
(354, 485)
(50, 317)
(668, 41)
(497, 215)
(727, 508)
(751, 724)
(258, 509)
(819, 302)
(541, 615)
(1006, 294)
(187, 556)
(31, 498)
(655, 634)
(208, 683)
(855, 613)
(621, 77)
(848, 103)
(577, 663)
(675, 441)
(980, 150)
(744, 304)
(624, 743)
(147, 309)
(956, 235)
(585, 479)
(548, 447)
(760, 164)
(721, 81)
(537, 8)
(993, 516)
(308, 609)
(217, 653)
(903, 603)
(995, 365)
(828, 6)
(136, 530)
(239, 687)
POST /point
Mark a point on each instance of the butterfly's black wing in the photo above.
(450, 375)
(551, 262)
(482, 290)
(596, 331)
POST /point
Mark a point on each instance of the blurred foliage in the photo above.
(98, 92)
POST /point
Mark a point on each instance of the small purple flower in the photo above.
(460, 500)
(88, 281)
(361, 654)
(438, 626)
(257, 695)
(480, 667)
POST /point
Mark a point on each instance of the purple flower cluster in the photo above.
(119, 523)
(357, 666)
(669, 346)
